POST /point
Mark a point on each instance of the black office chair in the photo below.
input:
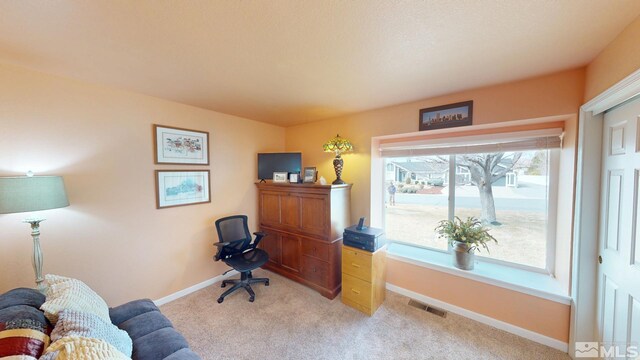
(237, 250)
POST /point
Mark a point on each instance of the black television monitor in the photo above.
(268, 163)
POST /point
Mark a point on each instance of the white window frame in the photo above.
(552, 204)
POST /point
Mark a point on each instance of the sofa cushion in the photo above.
(79, 324)
(143, 324)
(23, 312)
(131, 309)
(73, 294)
(158, 344)
(21, 296)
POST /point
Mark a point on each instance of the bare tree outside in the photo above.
(485, 170)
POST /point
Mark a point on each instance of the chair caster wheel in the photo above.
(223, 285)
(220, 300)
(252, 299)
(266, 283)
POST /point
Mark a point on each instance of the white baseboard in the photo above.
(527, 334)
(194, 288)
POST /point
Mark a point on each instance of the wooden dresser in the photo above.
(304, 225)
(363, 278)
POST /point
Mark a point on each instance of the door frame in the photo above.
(584, 268)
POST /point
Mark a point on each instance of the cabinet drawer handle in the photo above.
(356, 291)
(314, 269)
(355, 265)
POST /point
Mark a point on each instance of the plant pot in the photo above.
(463, 258)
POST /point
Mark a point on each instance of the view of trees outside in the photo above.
(507, 191)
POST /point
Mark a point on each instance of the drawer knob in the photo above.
(314, 269)
(356, 291)
(355, 265)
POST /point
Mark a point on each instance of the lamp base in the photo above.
(338, 182)
(36, 260)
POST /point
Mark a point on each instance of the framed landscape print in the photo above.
(179, 188)
(180, 146)
(446, 116)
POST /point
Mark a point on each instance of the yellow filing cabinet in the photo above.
(363, 278)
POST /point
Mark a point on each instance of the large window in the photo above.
(510, 191)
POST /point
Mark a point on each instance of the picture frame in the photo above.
(446, 116)
(294, 178)
(182, 187)
(280, 177)
(179, 146)
(310, 175)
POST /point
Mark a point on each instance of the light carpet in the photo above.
(290, 321)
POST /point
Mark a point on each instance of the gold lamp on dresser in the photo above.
(338, 145)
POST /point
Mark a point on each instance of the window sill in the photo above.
(527, 282)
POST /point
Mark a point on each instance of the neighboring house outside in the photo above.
(429, 172)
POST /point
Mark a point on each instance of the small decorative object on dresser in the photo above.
(466, 237)
(179, 188)
(294, 178)
(446, 116)
(310, 175)
(180, 146)
(338, 146)
(280, 177)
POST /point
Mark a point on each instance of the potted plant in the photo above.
(465, 237)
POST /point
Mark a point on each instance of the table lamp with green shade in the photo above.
(338, 145)
(33, 193)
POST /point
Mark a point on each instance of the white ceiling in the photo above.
(292, 61)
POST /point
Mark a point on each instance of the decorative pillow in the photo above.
(72, 323)
(81, 348)
(67, 293)
(23, 339)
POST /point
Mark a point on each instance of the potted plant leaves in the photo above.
(465, 237)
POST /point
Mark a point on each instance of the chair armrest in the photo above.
(259, 235)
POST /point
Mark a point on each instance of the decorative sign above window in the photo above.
(180, 146)
(446, 116)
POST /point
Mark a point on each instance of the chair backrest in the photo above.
(233, 228)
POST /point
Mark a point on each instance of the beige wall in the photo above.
(545, 96)
(542, 316)
(618, 60)
(556, 94)
(100, 140)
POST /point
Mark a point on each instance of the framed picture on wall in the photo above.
(446, 116)
(180, 146)
(180, 188)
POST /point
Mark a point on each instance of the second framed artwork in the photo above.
(180, 188)
(179, 146)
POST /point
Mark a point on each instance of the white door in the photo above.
(619, 269)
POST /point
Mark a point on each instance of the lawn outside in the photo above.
(521, 234)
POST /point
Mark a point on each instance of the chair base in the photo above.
(245, 281)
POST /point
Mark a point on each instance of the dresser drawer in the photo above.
(356, 263)
(315, 249)
(315, 271)
(356, 290)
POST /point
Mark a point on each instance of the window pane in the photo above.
(508, 192)
(416, 198)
